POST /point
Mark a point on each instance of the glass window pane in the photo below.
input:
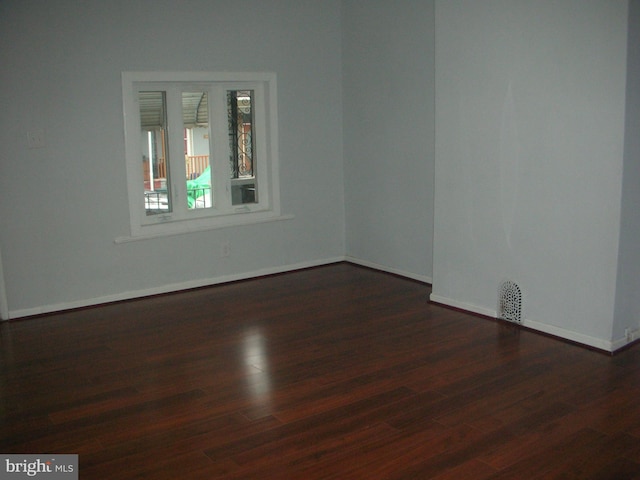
(241, 147)
(155, 162)
(195, 116)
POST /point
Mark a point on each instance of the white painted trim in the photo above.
(6, 314)
(463, 306)
(383, 268)
(4, 305)
(231, 221)
(624, 341)
(174, 287)
(599, 343)
(205, 282)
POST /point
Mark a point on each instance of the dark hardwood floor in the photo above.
(333, 372)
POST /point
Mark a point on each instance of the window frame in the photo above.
(266, 160)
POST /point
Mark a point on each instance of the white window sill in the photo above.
(233, 221)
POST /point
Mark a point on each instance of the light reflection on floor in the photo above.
(256, 361)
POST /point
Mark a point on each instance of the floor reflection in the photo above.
(256, 361)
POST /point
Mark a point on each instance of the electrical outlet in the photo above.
(627, 335)
(35, 138)
(226, 249)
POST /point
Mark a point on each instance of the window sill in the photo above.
(230, 222)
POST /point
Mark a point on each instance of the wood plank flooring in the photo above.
(336, 372)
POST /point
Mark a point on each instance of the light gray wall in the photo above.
(627, 313)
(530, 101)
(4, 307)
(388, 71)
(62, 206)
(528, 153)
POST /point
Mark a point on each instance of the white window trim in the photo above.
(143, 226)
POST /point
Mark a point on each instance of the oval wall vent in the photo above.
(510, 302)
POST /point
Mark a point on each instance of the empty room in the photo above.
(320, 239)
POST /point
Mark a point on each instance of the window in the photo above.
(201, 150)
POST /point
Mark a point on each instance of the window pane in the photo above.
(153, 139)
(195, 116)
(241, 147)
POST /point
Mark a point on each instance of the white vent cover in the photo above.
(510, 302)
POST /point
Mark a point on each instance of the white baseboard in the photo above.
(467, 307)
(384, 268)
(632, 337)
(205, 282)
(174, 287)
(598, 343)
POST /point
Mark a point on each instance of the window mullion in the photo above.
(176, 151)
(220, 149)
(261, 152)
(132, 139)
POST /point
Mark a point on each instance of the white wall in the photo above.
(627, 312)
(529, 153)
(4, 308)
(530, 101)
(388, 62)
(62, 206)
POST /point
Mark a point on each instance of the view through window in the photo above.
(203, 146)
